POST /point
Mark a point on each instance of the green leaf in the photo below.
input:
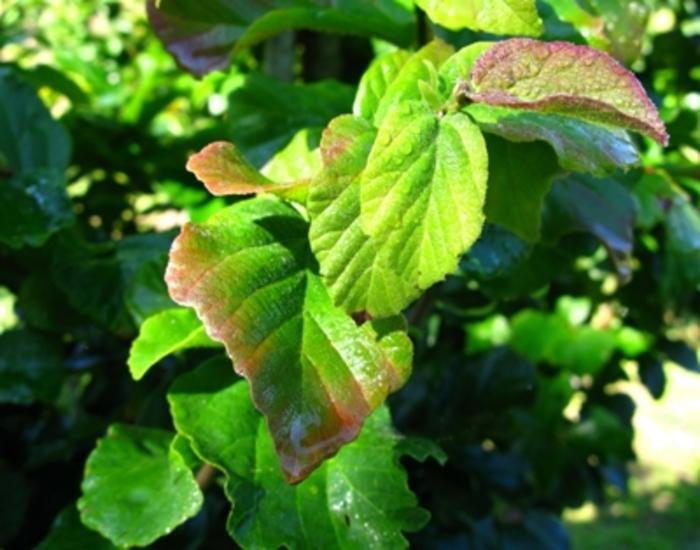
(580, 145)
(358, 499)
(249, 274)
(29, 137)
(33, 206)
(31, 367)
(203, 37)
(492, 16)
(405, 84)
(265, 114)
(549, 337)
(563, 78)
(164, 333)
(376, 80)
(96, 277)
(520, 178)
(134, 489)
(68, 533)
(423, 189)
(299, 160)
(359, 273)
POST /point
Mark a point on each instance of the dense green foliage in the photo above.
(431, 237)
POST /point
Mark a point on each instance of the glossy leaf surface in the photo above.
(164, 333)
(558, 77)
(248, 272)
(134, 489)
(492, 16)
(580, 145)
(358, 499)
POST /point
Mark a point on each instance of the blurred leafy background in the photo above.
(545, 423)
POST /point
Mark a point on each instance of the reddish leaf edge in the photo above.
(654, 129)
(224, 171)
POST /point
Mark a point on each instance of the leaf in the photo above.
(358, 499)
(405, 85)
(29, 137)
(520, 178)
(563, 78)
(31, 367)
(96, 277)
(164, 333)
(265, 114)
(134, 489)
(224, 171)
(299, 160)
(359, 273)
(603, 208)
(203, 37)
(423, 189)
(315, 375)
(376, 80)
(68, 533)
(492, 16)
(33, 206)
(580, 145)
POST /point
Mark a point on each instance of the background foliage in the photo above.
(515, 409)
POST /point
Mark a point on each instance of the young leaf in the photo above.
(376, 80)
(358, 271)
(581, 146)
(519, 179)
(224, 171)
(423, 189)
(563, 78)
(405, 86)
(134, 489)
(358, 499)
(492, 16)
(314, 373)
(202, 37)
(164, 333)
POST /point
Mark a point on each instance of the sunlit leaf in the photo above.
(563, 78)
(316, 375)
(359, 498)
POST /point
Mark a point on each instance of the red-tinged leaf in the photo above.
(224, 171)
(313, 372)
(563, 78)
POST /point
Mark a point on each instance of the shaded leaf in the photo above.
(603, 208)
(520, 177)
(68, 533)
(492, 16)
(558, 77)
(580, 145)
(203, 37)
(134, 489)
(33, 206)
(358, 499)
(315, 375)
(31, 367)
(164, 333)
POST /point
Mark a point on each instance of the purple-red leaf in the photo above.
(563, 78)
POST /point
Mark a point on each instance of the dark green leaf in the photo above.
(68, 533)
